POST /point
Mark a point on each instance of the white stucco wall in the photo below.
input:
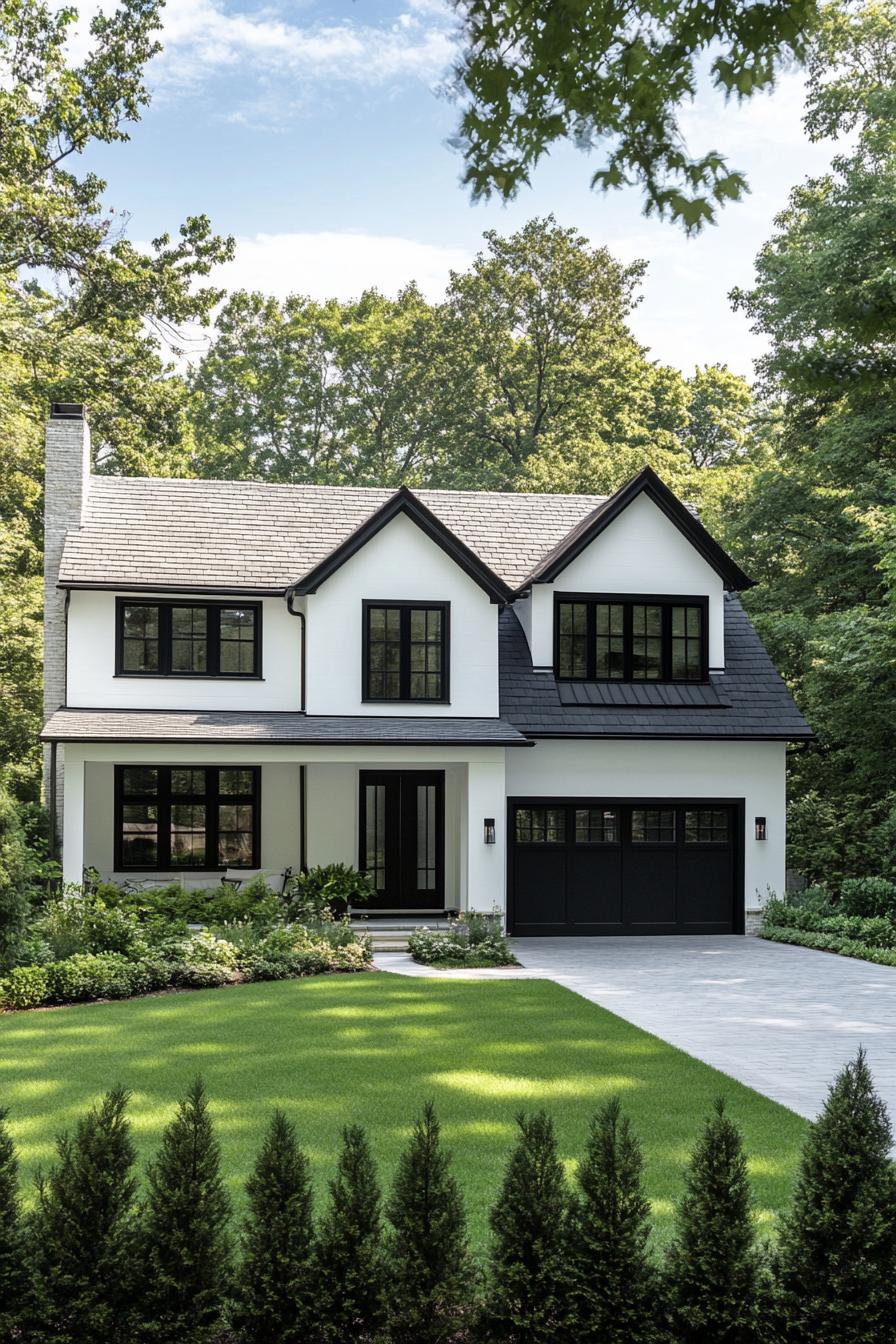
(640, 552)
(400, 563)
(91, 664)
(754, 771)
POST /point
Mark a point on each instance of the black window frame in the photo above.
(405, 607)
(628, 601)
(213, 610)
(164, 799)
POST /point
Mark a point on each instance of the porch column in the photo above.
(486, 864)
(73, 817)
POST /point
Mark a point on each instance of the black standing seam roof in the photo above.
(751, 700)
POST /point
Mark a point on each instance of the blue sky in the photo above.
(312, 132)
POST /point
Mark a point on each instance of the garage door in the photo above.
(588, 866)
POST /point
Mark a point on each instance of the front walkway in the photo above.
(780, 1019)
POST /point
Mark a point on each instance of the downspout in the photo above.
(303, 807)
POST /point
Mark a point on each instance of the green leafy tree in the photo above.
(275, 1298)
(606, 76)
(185, 1252)
(13, 1271)
(817, 530)
(428, 1264)
(82, 1233)
(712, 1271)
(350, 1276)
(613, 1283)
(836, 1261)
(526, 1299)
(16, 865)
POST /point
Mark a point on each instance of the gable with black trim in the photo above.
(647, 482)
(406, 503)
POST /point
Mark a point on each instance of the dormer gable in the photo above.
(642, 546)
(645, 483)
(405, 503)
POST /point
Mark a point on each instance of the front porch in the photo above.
(413, 816)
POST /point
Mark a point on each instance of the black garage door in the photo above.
(592, 867)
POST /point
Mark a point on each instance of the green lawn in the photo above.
(372, 1048)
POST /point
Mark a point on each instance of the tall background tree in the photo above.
(819, 528)
(85, 314)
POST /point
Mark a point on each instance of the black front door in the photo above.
(402, 835)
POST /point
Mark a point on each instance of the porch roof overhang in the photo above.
(277, 727)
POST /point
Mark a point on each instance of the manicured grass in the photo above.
(372, 1048)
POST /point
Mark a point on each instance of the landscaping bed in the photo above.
(103, 941)
(472, 940)
(859, 920)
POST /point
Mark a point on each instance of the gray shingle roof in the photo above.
(751, 699)
(142, 532)
(232, 726)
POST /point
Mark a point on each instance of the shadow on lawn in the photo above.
(372, 1048)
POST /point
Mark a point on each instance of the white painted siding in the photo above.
(400, 563)
(641, 551)
(92, 682)
(754, 771)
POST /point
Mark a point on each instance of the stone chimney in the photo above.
(66, 482)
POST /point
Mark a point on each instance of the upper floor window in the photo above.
(186, 639)
(406, 651)
(630, 639)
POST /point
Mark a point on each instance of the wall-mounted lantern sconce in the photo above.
(489, 828)
(761, 831)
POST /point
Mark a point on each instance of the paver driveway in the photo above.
(780, 1019)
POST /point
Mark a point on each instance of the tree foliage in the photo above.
(612, 1278)
(83, 1234)
(612, 77)
(349, 1261)
(836, 1266)
(818, 530)
(275, 1297)
(428, 1263)
(185, 1250)
(713, 1270)
(527, 1283)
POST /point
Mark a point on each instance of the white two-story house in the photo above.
(552, 704)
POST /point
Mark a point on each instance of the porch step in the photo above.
(390, 934)
(389, 942)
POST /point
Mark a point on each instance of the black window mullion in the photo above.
(404, 653)
(666, 644)
(591, 637)
(164, 638)
(164, 846)
(213, 639)
(212, 799)
(628, 635)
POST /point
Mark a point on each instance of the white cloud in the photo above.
(271, 46)
(338, 265)
(202, 38)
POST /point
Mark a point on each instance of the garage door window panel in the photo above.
(540, 826)
(706, 826)
(653, 826)
(597, 826)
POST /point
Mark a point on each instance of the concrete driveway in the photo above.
(781, 1019)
